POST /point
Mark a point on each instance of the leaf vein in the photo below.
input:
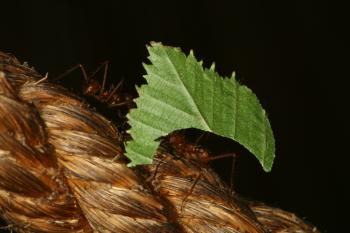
(167, 104)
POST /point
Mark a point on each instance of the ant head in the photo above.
(91, 88)
(187, 149)
(201, 154)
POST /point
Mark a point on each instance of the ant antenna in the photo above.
(105, 64)
(203, 135)
(79, 66)
(190, 192)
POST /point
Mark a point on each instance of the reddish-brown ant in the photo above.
(192, 151)
(95, 89)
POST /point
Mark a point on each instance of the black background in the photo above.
(287, 53)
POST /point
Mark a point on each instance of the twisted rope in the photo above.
(62, 169)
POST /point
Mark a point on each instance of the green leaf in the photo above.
(180, 94)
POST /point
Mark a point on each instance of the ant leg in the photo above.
(119, 104)
(102, 65)
(114, 90)
(42, 79)
(232, 173)
(79, 66)
(153, 176)
(234, 156)
(8, 227)
(190, 192)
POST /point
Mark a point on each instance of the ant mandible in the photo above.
(93, 88)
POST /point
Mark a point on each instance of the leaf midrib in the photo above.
(207, 127)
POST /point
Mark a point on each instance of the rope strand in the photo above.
(62, 169)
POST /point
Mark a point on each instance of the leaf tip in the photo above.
(268, 166)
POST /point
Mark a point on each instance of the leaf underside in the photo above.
(180, 94)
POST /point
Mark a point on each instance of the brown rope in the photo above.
(62, 169)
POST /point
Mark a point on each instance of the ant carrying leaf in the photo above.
(194, 151)
(190, 158)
